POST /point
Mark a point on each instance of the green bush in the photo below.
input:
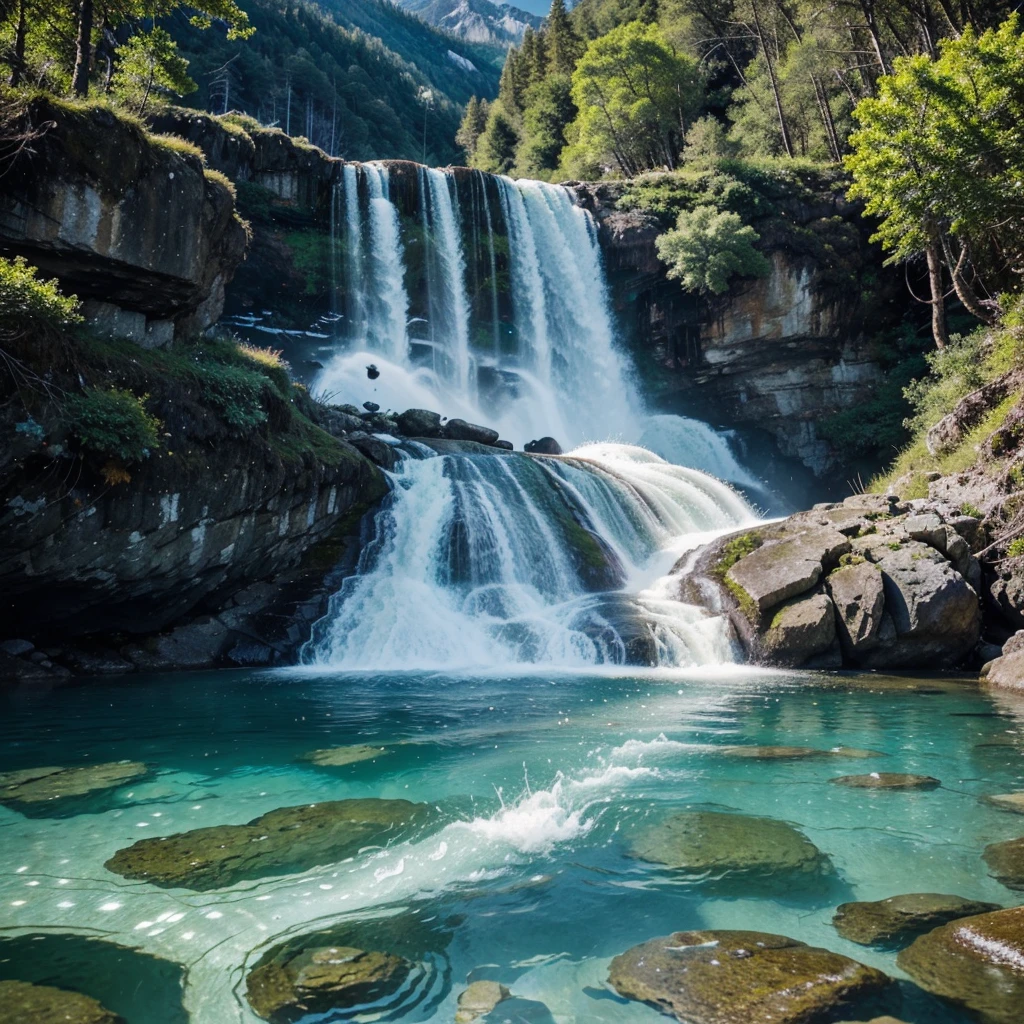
(113, 423)
(26, 302)
(236, 393)
(1016, 548)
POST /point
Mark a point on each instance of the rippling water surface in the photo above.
(539, 784)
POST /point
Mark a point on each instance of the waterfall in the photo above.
(356, 284)
(484, 560)
(387, 326)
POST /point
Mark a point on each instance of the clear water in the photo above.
(541, 781)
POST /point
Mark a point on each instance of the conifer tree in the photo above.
(564, 46)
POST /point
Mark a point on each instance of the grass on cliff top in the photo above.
(967, 364)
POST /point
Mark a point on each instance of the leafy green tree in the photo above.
(549, 108)
(707, 142)
(939, 157)
(708, 247)
(496, 147)
(149, 62)
(635, 97)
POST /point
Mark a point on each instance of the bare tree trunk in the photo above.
(83, 53)
(786, 141)
(826, 116)
(938, 299)
(867, 8)
(18, 56)
(964, 291)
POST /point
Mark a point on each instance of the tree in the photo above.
(635, 97)
(150, 61)
(474, 121)
(708, 247)
(707, 142)
(939, 157)
(563, 45)
(496, 147)
(549, 108)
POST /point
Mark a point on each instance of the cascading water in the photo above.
(495, 560)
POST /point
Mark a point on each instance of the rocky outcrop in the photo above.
(899, 919)
(280, 842)
(738, 977)
(778, 353)
(128, 222)
(1006, 862)
(871, 582)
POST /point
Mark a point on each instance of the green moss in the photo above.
(851, 559)
(221, 179)
(967, 509)
(112, 423)
(583, 543)
(735, 549)
(894, 545)
(1016, 548)
(176, 144)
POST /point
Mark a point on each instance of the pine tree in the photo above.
(563, 44)
(474, 121)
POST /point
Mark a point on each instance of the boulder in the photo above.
(887, 780)
(1007, 801)
(783, 567)
(543, 446)
(197, 644)
(505, 446)
(460, 430)
(899, 919)
(22, 1003)
(479, 999)
(741, 977)
(338, 757)
(858, 595)
(420, 423)
(801, 628)
(1006, 862)
(41, 785)
(376, 450)
(1006, 671)
(290, 986)
(976, 963)
(717, 845)
(769, 753)
(281, 842)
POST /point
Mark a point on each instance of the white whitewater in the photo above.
(390, 308)
(491, 561)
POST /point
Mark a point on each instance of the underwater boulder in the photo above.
(899, 919)
(739, 977)
(281, 842)
(478, 999)
(887, 780)
(1007, 801)
(717, 845)
(976, 963)
(339, 757)
(40, 785)
(1006, 862)
(23, 1003)
(292, 985)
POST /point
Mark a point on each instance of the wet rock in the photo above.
(717, 845)
(371, 407)
(1007, 801)
(768, 753)
(505, 446)
(898, 919)
(1006, 671)
(741, 977)
(801, 628)
(376, 450)
(859, 600)
(420, 423)
(460, 430)
(24, 670)
(17, 648)
(479, 998)
(39, 785)
(22, 1003)
(197, 644)
(1006, 862)
(875, 1020)
(887, 780)
(335, 420)
(293, 985)
(338, 757)
(976, 963)
(283, 841)
(543, 446)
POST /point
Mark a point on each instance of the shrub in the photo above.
(708, 247)
(219, 178)
(176, 144)
(234, 392)
(113, 423)
(26, 302)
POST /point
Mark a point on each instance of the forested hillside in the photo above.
(360, 78)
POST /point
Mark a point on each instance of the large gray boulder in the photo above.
(460, 430)
(859, 598)
(899, 919)
(802, 628)
(420, 423)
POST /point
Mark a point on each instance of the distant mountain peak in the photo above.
(476, 21)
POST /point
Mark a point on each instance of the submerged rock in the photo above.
(1007, 801)
(283, 841)
(717, 845)
(900, 918)
(22, 1003)
(887, 780)
(769, 753)
(741, 977)
(38, 785)
(293, 985)
(976, 963)
(1006, 862)
(479, 998)
(338, 757)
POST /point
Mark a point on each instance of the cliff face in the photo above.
(131, 225)
(777, 353)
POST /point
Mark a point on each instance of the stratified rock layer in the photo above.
(287, 840)
(741, 977)
(976, 963)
